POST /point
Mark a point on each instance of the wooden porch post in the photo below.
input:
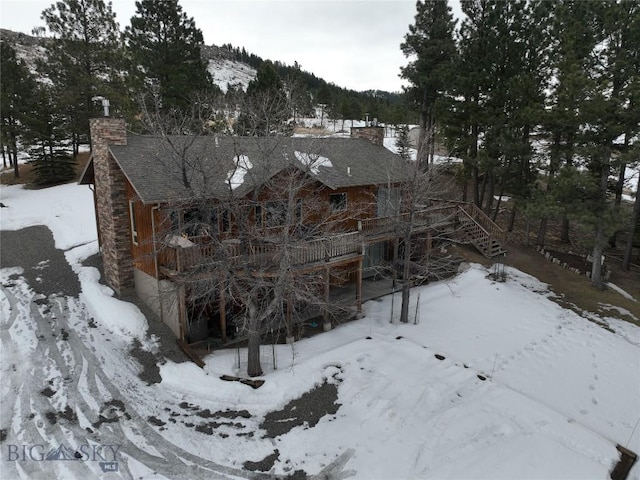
(326, 323)
(359, 288)
(223, 315)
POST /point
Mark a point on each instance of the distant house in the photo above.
(149, 194)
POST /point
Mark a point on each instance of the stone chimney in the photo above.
(111, 203)
(372, 133)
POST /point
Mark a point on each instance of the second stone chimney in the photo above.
(372, 133)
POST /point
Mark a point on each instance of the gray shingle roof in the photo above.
(156, 167)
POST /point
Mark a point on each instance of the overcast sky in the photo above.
(352, 43)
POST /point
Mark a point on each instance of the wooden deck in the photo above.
(476, 227)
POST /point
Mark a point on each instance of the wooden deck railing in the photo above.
(263, 255)
(183, 259)
(434, 216)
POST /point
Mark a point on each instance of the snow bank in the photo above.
(67, 210)
(117, 316)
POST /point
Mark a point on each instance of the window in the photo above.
(191, 222)
(388, 201)
(257, 215)
(225, 221)
(132, 216)
(338, 201)
(275, 213)
(174, 221)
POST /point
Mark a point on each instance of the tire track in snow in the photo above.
(71, 369)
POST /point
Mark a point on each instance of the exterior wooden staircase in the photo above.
(482, 232)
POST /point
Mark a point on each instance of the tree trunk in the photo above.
(16, 170)
(254, 369)
(465, 186)
(4, 157)
(564, 230)
(13, 148)
(476, 172)
(406, 278)
(621, 174)
(542, 231)
(620, 184)
(483, 190)
(626, 261)
(404, 312)
(512, 219)
(503, 183)
(476, 189)
(596, 271)
(492, 190)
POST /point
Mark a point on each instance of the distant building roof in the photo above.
(212, 165)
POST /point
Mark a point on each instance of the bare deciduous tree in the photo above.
(249, 229)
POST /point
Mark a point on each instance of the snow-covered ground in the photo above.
(525, 389)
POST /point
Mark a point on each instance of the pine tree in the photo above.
(431, 46)
(613, 89)
(266, 107)
(47, 134)
(402, 142)
(573, 36)
(499, 98)
(84, 59)
(16, 93)
(165, 47)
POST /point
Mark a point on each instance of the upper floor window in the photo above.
(388, 201)
(275, 213)
(338, 201)
(132, 217)
(257, 215)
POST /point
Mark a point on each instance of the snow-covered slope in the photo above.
(227, 72)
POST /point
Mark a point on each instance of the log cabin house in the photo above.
(166, 207)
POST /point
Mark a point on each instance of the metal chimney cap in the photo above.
(105, 104)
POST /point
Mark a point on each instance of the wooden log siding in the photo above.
(142, 253)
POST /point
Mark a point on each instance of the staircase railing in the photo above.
(482, 219)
